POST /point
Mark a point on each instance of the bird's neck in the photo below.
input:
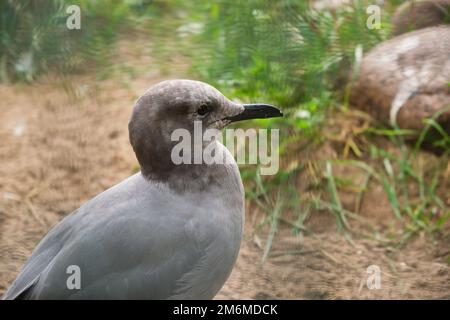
(198, 173)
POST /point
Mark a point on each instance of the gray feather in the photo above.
(138, 240)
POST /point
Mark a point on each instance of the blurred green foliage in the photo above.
(281, 51)
(34, 38)
(27, 45)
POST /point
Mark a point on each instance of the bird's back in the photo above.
(140, 240)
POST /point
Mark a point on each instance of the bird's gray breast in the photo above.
(217, 231)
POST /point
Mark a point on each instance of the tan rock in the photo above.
(405, 80)
(418, 14)
(331, 5)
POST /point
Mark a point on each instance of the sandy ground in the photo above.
(58, 151)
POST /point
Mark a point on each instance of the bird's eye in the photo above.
(204, 109)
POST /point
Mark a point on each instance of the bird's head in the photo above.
(178, 104)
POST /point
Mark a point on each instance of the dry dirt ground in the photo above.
(58, 151)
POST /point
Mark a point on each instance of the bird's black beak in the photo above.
(256, 111)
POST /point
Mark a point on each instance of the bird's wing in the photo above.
(125, 246)
(39, 260)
